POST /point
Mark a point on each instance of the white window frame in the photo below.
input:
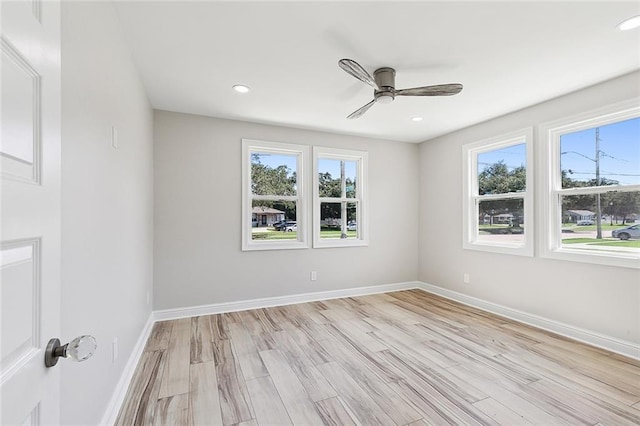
(362, 215)
(250, 146)
(550, 208)
(471, 198)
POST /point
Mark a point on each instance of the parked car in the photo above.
(352, 226)
(585, 222)
(290, 227)
(279, 224)
(632, 231)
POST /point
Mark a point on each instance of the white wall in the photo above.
(603, 299)
(107, 204)
(198, 257)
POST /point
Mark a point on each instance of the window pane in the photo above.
(273, 174)
(273, 220)
(618, 212)
(336, 175)
(338, 220)
(501, 221)
(502, 170)
(600, 156)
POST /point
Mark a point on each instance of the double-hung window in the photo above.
(592, 200)
(340, 202)
(273, 195)
(498, 200)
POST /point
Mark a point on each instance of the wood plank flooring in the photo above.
(403, 358)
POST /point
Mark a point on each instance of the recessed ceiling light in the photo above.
(241, 88)
(416, 119)
(630, 23)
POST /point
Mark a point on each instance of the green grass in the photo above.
(610, 242)
(604, 227)
(336, 234)
(580, 240)
(628, 243)
(279, 235)
(275, 235)
(500, 229)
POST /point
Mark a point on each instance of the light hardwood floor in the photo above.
(399, 358)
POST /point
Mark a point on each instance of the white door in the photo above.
(30, 209)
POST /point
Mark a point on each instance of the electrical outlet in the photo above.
(114, 350)
(466, 278)
(314, 275)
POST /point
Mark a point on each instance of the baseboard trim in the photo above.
(609, 343)
(217, 308)
(115, 403)
(612, 344)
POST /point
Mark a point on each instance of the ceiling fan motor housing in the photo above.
(386, 81)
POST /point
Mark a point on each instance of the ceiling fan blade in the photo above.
(355, 69)
(437, 90)
(358, 113)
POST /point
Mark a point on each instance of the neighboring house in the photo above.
(576, 215)
(265, 216)
(503, 218)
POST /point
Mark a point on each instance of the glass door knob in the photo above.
(79, 349)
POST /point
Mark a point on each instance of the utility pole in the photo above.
(598, 207)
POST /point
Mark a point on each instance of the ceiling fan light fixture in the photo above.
(241, 88)
(629, 24)
(384, 99)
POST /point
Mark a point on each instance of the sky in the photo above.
(619, 153)
(324, 166)
(276, 160)
(513, 156)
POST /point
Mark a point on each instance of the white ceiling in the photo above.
(508, 55)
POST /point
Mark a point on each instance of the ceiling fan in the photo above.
(383, 83)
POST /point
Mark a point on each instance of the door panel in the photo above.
(20, 144)
(30, 210)
(20, 310)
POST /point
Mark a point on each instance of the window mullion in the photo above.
(496, 221)
(270, 168)
(506, 196)
(339, 220)
(599, 189)
(275, 197)
(580, 150)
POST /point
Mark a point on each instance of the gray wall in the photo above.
(603, 299)
(197, 252)
(107, 205)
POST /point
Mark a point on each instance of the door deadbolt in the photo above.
(79, 349)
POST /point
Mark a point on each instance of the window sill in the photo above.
(340, 243)
(274, 245)
(609, 258)
(513, 249)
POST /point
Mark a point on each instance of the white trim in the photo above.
(623, 347)
(470, 195)
(268, 302)
(362, 212)
(120, 392)
(549, 186)
(302, 211)
(626, 348)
